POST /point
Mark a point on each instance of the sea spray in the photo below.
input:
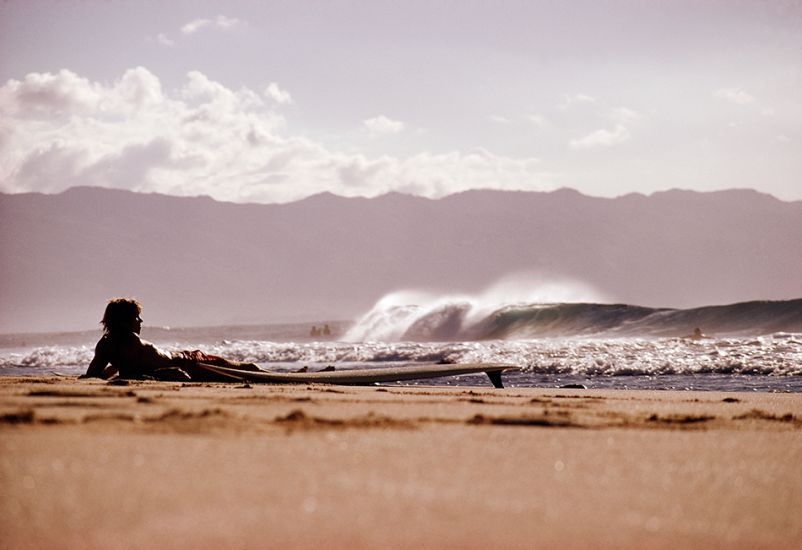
(428, 316)
(460, 318)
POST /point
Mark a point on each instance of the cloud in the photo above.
(50, 168)
(161, 39)
(129, 168)
(136, 88)
(221, 22)
(203, 138)
(383, 125)
(164, 40)
(575, 99)
(49, 94)
(277, 94)
(436, 174)
(539, 121)
(734, 95)
(498, 119)
(624, 115)
(602, 138)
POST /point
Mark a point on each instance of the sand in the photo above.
(86, 464)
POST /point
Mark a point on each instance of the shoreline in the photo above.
(89, 464)
(762, 364)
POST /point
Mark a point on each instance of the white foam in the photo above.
(780, 356)
(393, 315)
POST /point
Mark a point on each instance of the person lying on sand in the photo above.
(121, 351)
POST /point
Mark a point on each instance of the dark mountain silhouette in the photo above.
(195, 261)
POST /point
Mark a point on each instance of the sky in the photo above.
(273, 101)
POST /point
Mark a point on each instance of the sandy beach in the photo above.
(88, 464)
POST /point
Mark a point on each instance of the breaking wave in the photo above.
(461, 319)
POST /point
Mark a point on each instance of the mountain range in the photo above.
(194, 261)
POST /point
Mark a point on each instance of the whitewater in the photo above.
(751, 346)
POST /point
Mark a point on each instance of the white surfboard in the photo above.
(356, 377)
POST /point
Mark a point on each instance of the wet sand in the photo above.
(86, 464)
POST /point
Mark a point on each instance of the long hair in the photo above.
(119, 314)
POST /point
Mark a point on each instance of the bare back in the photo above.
(129, 354)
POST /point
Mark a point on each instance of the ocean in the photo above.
(752, 346)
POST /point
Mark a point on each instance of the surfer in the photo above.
(696, 335)
(121, 351)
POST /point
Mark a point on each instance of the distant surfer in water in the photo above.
(121, 351)
(696, 335)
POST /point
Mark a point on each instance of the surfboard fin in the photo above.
(495, 378)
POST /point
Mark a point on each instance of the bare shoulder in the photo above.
(104, 349)
(102, 344)
(117, 342)
(141, 342)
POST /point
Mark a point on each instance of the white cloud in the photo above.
(138, 87)
(735, 95)
(383, 125)
(602, 138)
(164, 40)
(48, 95)
(575, 99)
(438, 174)
(538, 120)
(200, 88)
(60, 130)
(277, 94)
(624, 115)
(220, 22)
(498, 119)
(161, 39)
(195, 25)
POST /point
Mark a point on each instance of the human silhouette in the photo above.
(121, 351)
(697, 334)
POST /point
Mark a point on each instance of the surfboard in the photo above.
(360, 377)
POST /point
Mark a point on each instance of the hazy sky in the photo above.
(273, 101)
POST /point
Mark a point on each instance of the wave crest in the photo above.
(461, 319)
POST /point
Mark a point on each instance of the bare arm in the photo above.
(99, 362)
